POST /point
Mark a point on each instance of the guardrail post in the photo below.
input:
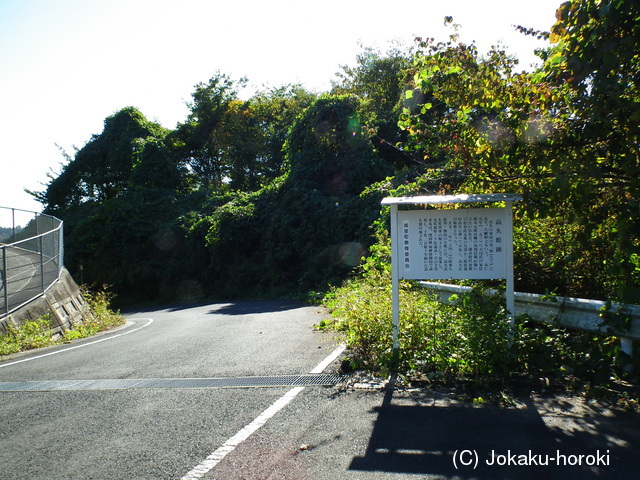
(626, 345)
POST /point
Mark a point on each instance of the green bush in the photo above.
(30, 334)
(37, 333)
(99, 317)
(471, 336)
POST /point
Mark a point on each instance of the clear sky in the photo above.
(65, 65)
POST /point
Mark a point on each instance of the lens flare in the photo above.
(351, 253)
(537, 129)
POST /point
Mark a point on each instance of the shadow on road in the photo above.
(236, 307)
(421, 439)
(248, 307)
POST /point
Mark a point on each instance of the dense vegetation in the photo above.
(97, 316)
(280, 194)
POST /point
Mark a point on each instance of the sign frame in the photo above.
(398, 244)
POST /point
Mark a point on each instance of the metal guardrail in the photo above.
(576, 313)
(31, 256)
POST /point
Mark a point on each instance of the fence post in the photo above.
(4, 279)
(13, 225)
(54, 255)
(41, 263)
(61, 246)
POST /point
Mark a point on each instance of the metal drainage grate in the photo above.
(307, 380)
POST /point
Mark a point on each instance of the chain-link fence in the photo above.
(31, 256)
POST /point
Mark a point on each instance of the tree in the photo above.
(320, 211)
(310, 226)
(566, 136)
(254, 134)
(326, 149)
(118, 199)
(228, 143)
(379, 80)
(275, 111)
(597, 164)
(102, 169)
(199, 141)
(155, 168)
(478, 114)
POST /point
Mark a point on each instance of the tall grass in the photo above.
(470, 338)
(37, 333)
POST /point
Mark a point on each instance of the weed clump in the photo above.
(97, 317)
(29, 335)
(468, 340)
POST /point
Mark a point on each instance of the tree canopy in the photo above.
(103, 168)
(566, 136)
(279, 193)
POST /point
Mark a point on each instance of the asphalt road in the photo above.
(135, 411)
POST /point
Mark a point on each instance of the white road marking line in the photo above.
(329, 360)
(230, 445)
(150, 321)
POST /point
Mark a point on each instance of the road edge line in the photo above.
(230, 445)
(86, 344)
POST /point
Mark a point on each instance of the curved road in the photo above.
(142, 402)
(158, 432)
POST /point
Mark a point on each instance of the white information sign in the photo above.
(465, 243)
(461, 243)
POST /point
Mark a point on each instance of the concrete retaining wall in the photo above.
(63, 301)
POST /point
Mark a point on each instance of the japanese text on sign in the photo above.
(460, 243)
